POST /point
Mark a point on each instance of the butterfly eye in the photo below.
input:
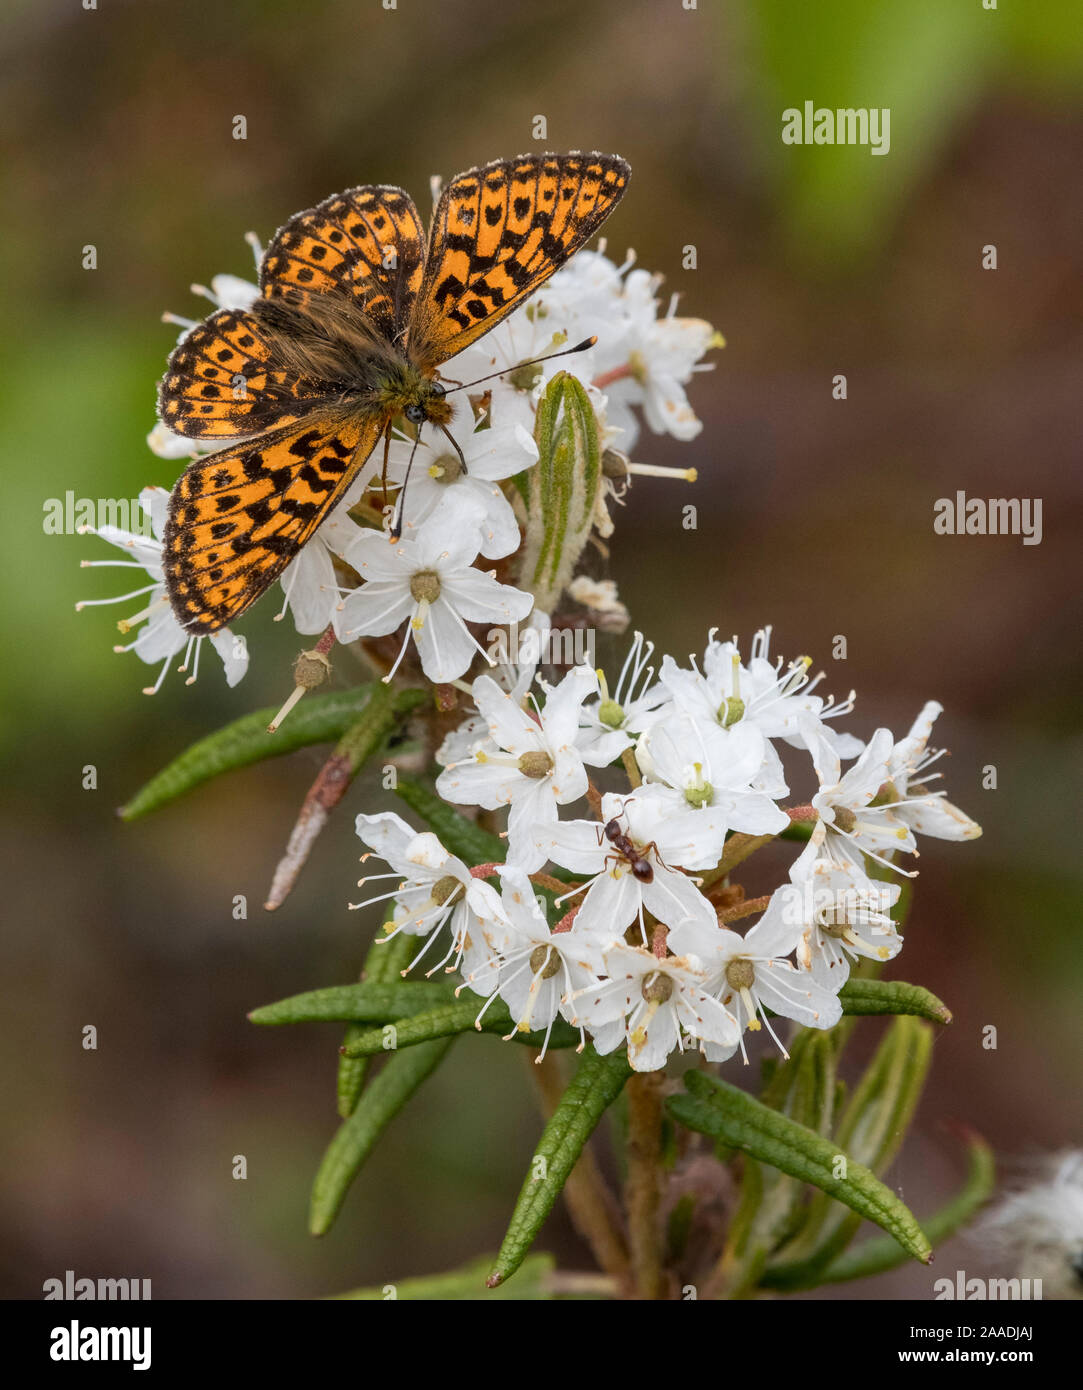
(437, 390)
(415, 414)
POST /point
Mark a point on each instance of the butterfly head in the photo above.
(428, 404)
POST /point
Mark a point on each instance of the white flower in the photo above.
(751, 974)
(163, 637)
(435, 889)
(619, 889)
(777, 700)
(843, 915)
(652, 1003)
(529, 764)
(538, 968)
(849, 825)
(521, 650)
(308, 582)
(437, 474)
(704, 774)
(430, 581)
(922, 810)
(661, 355)
(612, 720)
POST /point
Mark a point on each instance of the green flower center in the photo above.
(446, 469)
(657, 988)
(425, 586)
(444, 889)
(610, 713)
(740, 973)
(544, 961)
(845, 819)
(524, 378)
(535, 764)
(730, 711)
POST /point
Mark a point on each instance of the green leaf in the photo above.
(531, 1284)
(367, 1002)
(384, 962)
(317, 719)
(871, 1129)
(878, 1255)
(716, 1108)
(451, 1019)
(891, 997)
(462, 837)
(596, 1084)
(356, 1137)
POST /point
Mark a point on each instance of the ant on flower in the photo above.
(627, 850)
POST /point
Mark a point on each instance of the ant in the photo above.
(628, 850)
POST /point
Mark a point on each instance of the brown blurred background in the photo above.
(814, 515)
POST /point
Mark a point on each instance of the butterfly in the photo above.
(357, 310)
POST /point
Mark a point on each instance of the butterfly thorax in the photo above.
(340, 359)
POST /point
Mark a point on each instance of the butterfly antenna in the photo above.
(396, 520)
(564, 352)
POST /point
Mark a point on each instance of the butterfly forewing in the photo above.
(238, 517)
(366, 244)
(498, 234)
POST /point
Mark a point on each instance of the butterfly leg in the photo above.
(387, 455)
(455, 445)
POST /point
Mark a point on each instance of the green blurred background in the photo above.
(815, 515)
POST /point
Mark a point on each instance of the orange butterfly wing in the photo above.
(498, 234)
(366, 245)
(238, 517)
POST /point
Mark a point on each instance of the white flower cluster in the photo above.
(644, 956)
(454, 516)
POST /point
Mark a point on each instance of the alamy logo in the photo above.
(845, 125)
(556, 646)
(75, 1290)
(978, 1290)
(68, 515)
(997, 516)
(75, 1343)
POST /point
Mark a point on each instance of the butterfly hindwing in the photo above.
(498, 233)
(239, 516)
(223, 382)
(366, 244)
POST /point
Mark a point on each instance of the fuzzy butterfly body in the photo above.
(357, 311)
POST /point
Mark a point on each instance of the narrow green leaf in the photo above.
(367, 1002)
(450, 1019)
(356, 1137)
(596, 1084)
(384, 962)
(531, 1284)
(462, 837)
(880, 1254)
(891, 997)
(317, 719)
(870, 1130)
(716, 1108)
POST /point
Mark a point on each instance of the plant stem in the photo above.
(643, 1186)
(593, 1208)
